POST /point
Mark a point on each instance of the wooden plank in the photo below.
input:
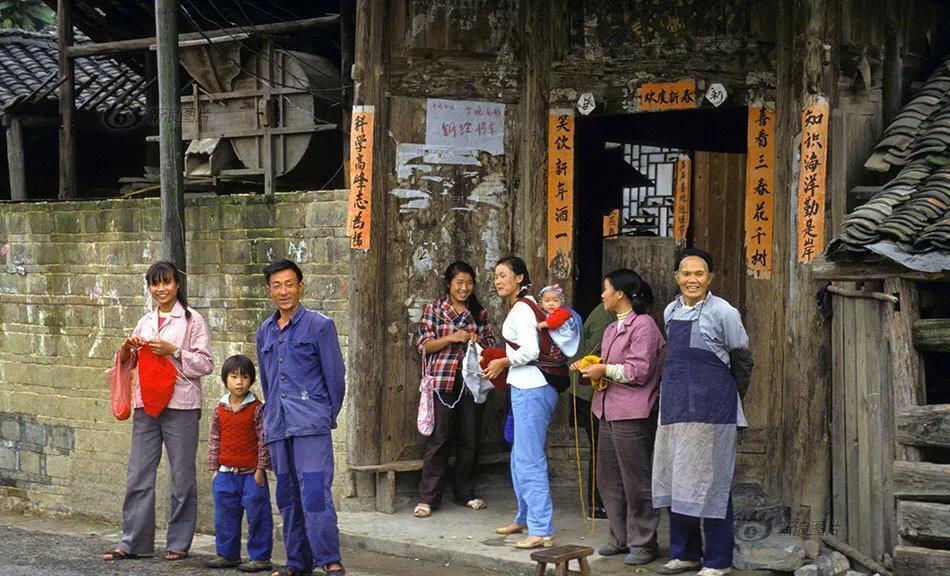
(863, 271)
(386, 492)
(924, 522)
(67, 104)
(412, 465)
(16, 163)
(855, 503)
(924, 425)
(866, 435)
(922, 481)
(879, 457)
(907, 364)
(914, 561)
(138, 44)
(932, 335)
(839, 408)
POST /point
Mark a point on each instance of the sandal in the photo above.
(174, 555)
(341, 571)
(119, 554)
(422, 510)
(534, 542)
(510, 529)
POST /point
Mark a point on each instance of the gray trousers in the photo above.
(624, 478)
(178, 431)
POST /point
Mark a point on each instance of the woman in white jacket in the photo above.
(533, 402)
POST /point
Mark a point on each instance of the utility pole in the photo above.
(169, 134)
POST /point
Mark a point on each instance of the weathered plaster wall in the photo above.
(71, 288)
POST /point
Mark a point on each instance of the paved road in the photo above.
(40, 547)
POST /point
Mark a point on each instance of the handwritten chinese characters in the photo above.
(361, 177)
(560, 189)
(811, 183)
(683, 175)
(466, 124)
(760, 191)
(667, 95)
(612, 224)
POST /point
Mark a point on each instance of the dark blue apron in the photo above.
(697, 386)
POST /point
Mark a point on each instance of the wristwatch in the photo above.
(177, 354)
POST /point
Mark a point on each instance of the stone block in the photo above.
(10, 430)
(807, 570)
(63, 437)
(34, 433)
(57, 466)
(30, 462)
(832, 564)
(779, 552)
(8, 458)
(812, 549)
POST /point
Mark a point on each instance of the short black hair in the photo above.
(699, 253)
(278, 265)
(238, 363)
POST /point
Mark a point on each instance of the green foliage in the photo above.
(26, 14)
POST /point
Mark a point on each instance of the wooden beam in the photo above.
(893, 73)
(924, 522)
(924, 425)
(906, 363)
(169, 126)
(16, 165)
(922, 481)
(932, 335)
(914, 561)
(863, 271)
(139, 44)
(67, 104)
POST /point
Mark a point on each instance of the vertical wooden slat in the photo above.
(855, 504)
(840, 407)
(865, 515)
(67, 104)
(16, 164)
(907, 363)
(873, 377)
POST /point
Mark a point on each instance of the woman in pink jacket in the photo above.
(179, 334)
(632, 352)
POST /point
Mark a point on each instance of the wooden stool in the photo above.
(560, 556)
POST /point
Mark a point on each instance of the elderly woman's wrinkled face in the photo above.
(507, 283)
(693, 278)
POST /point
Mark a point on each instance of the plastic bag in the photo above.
(120, 386)
(472, 373)
(425, 421)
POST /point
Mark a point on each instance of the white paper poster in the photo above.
(466, 124)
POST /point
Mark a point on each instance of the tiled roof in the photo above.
(29, 73)
(909, 219)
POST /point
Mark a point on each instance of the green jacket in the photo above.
(591, 336)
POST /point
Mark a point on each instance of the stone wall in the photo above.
(72, 287)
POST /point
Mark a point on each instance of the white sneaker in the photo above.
(714, 572)
(675, 566)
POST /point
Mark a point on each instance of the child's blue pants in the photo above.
(233, 494)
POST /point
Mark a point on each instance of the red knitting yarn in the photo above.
(157, 377)
(489, 354)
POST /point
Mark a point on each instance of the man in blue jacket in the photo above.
(302, 374)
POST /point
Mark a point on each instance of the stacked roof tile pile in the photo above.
(29, 74)
(911, 214)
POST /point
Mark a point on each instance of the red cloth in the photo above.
(558, 317)
(489, 354)
(157, 377)
(238, 436)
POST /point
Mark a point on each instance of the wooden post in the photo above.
(67, 104)
(347, 46)
(893, 59)
(367, 297)
(169, 134)
(15, 162)
(266, 116)
(908, 369)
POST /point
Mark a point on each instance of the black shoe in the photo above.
(599, 513)
(612, 550)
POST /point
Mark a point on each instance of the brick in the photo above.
(8, 458)
(30, 462)
(57, 466)
(34, 433)
(62, 437)
(10, 430)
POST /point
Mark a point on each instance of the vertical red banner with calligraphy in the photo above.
(560, 189)
(612, 224)
(682, 186)
(760, 191)
(361, 177)
(811, 180)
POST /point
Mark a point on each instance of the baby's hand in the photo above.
(543, 325)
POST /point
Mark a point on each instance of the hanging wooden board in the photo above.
(361, 177)
(682, 184)
(811, 180)
(759, 192)
(560, 190)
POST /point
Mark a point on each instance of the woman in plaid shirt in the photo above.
(448, 324)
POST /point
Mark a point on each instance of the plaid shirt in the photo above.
(214, 437)
(439, 320)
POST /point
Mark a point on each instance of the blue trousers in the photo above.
(304, 468)
(532, 410)
(233, 494)
(686, 543)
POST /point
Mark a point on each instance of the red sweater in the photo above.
(558, 317)
(238, 436)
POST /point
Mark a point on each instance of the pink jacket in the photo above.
(194, 340)
(638, 345)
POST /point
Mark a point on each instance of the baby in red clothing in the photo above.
(562, 323)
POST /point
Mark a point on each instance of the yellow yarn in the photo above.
(589, 360)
